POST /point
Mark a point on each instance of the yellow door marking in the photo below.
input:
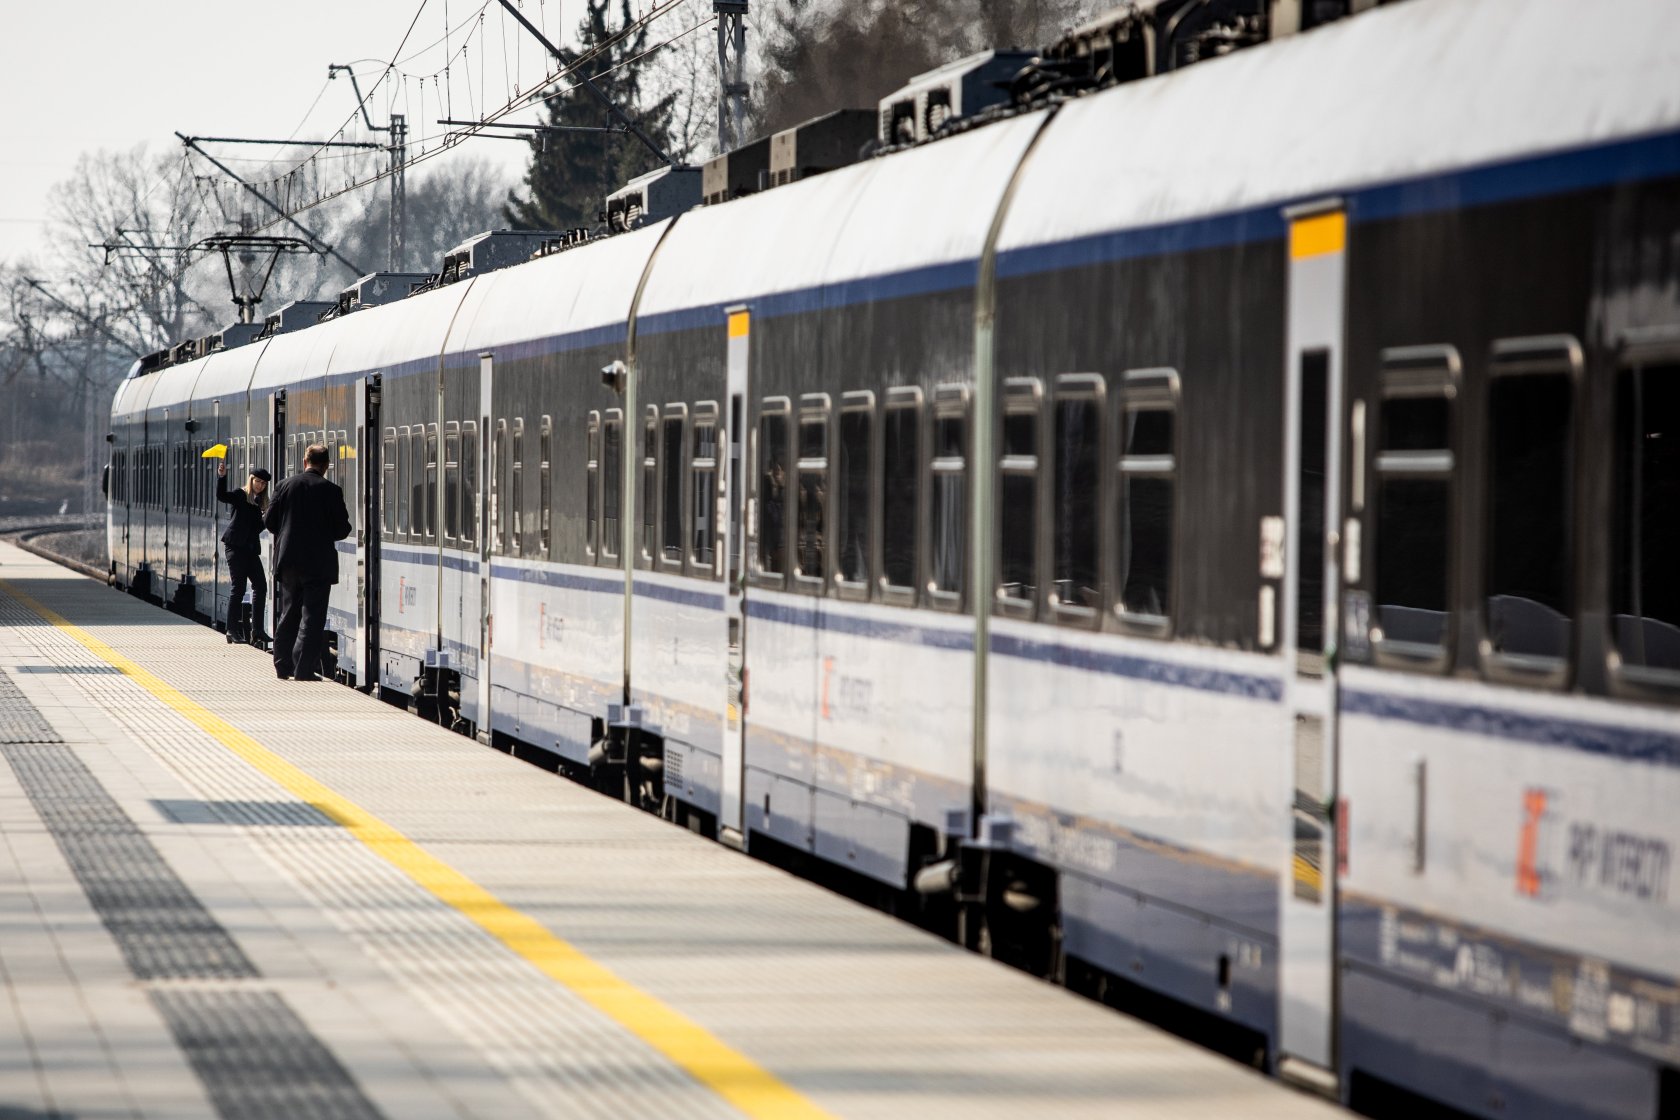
(1308, 875)
(738, 323)
(712, 1062)
(1314, 237)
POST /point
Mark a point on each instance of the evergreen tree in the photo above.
(572, 173)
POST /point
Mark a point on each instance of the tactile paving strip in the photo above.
(21, 721)
(257, 1059)
(163, 930)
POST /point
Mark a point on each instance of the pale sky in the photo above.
(84, 75)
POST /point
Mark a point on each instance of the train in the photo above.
(1213, 536)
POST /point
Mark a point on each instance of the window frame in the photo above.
(901, 398)
(610, 544)
(470, 462)
(1020, 396)
(545, 487)
(1092, 387)
(516, 484)
(451, 481)
(1638, 349)
(1529, 356)
(853, 403)
(647, 536)
(1415, 373)
(592, 483)
(388, 483)
(1148, 389)
(951, 401)
(674, 413)
(499, 483)
(779, 409)
(813, 408)
(706, 414)
(430, 488)
(405, 467)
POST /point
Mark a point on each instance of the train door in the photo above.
(485, 449)
(1307, 950)
(370, 473)
(218, 434)
(166, 508)
(122, 507)
(733, 495)
(277, 467)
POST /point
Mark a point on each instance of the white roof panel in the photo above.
(294, 357)
(393, 334)
(228, 375)
(586, 290)
(1390, 95)
(915, 210)
(174, 385)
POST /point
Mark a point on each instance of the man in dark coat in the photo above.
(306, 516)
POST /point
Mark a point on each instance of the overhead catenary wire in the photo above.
(544, 88)
(433, 145)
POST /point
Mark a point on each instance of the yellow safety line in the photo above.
(712, 1062)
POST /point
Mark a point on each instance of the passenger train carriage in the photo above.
(1219, 530)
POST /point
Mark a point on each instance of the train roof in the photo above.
(913, 214)
(583, 295)
(1400, 93)
(403, 333)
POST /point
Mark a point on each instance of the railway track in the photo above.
(26, 531)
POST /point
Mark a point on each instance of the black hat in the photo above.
(262, 473)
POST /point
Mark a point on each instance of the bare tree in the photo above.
(820, 55)
(685, 69)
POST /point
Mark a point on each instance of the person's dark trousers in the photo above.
(299, 636)
(245, 567)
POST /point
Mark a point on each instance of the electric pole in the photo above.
(398, 147)
(732, 79)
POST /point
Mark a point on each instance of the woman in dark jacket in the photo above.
(242, 545)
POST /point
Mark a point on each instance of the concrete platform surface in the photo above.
(223, 895)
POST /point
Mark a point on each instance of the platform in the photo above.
(223, 895)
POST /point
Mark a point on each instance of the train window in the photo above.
(469, 482)
(1529, 596)
(592, 482)
(811, 526)
(901, 474)
(1076, 591)
(545, 486)
(451, 481)
(499, 518)
(853, 488)
(670, 488)
(402, 495)
(516, 496)
(431, 482)
(772, 459)
(703, 488)
(948, 497)
(650, 483)
(1017, 539)
(611, 482)
(388, 483)
(347, 463)
(1414, 473)
(1644, 596)
(1145, 521)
